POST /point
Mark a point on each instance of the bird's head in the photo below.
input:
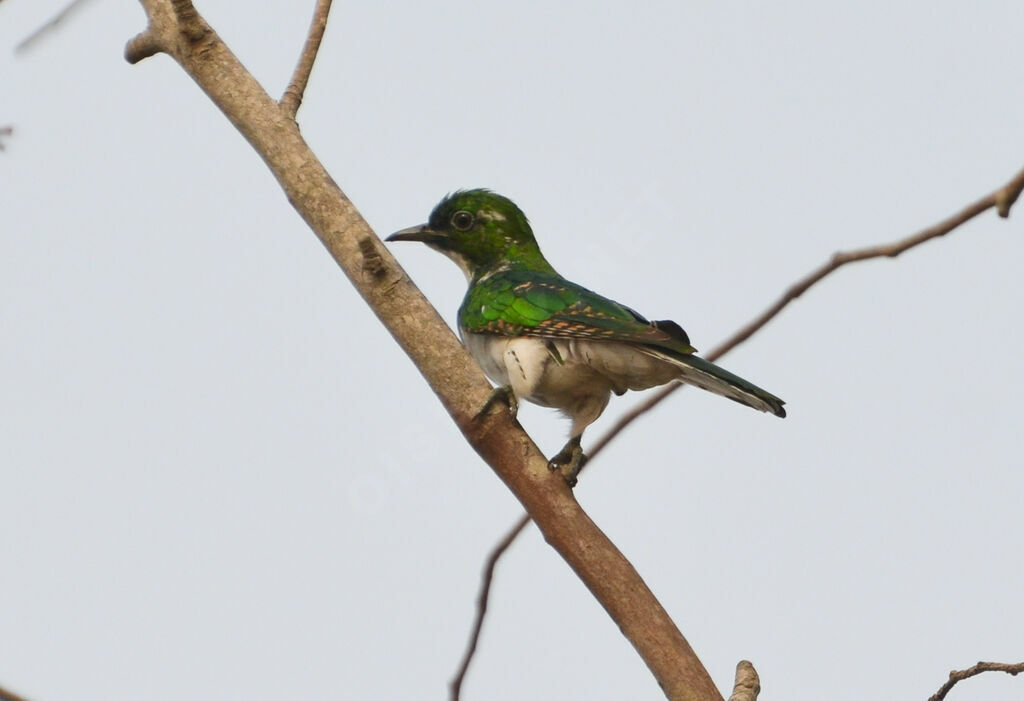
(481, 231)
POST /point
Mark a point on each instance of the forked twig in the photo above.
(1002, 200)
(292, 97)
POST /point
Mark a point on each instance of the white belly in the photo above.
(576, 376)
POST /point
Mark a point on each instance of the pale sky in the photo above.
(222, 479)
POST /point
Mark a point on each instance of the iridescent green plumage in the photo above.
(521, 302)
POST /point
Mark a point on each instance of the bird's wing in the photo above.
(519, 303)
(547, 306)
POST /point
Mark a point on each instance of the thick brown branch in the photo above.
(958, 676)
(1002, 199)
(178, 30)
(292, 97)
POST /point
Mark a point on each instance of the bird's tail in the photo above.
(707, 375)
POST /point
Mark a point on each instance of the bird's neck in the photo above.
(483, 274)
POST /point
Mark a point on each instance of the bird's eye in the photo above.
(462, 220)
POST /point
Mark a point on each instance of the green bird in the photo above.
(550, 341)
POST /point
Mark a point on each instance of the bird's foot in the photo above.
(500, 394)
(569, 461)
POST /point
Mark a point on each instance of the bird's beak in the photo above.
(422, 232)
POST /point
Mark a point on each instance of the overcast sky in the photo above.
(221, 478)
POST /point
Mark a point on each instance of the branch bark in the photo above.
(1001, 199)
(747, 685)
(176, 28)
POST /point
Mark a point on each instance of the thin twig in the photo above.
(1007, 195)
(958, 676)
(747, 685)
(292, 97)
(455, 686)
(32, 38)
(1002, 199)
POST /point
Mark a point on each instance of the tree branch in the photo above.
(1002, 199)
(747, 685)
(6, 695)
(455, 686)
(955, 676)
(292, 97)
(178, 30)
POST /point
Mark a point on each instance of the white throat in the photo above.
(458, 258)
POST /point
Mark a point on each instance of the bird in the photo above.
(552, 342)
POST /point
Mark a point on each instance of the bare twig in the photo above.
(958, 676)
(747, 685)
(1002, 199)
(5, 131)
(27, 43)
(175, 27)
(292, 97)
(455, 686)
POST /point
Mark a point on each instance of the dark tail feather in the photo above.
(707, 375)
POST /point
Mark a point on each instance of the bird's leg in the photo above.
(569, 461)
(500, 394)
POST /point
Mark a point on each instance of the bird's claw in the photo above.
(502, 394)
(569, 461)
